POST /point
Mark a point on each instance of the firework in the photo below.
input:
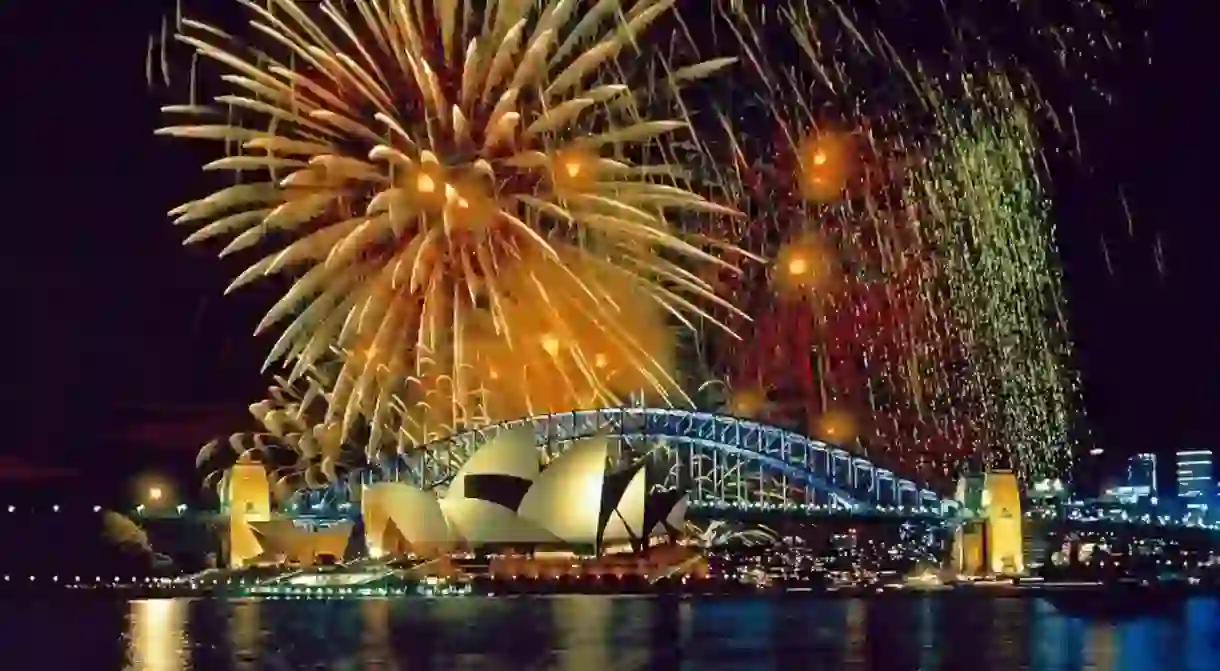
(475, 202)
(913, 309)
(297, 448)
(991, 216)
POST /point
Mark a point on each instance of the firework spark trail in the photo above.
(1002, 277)
(488, 183)
(944, 336)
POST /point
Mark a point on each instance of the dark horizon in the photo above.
(129, 357)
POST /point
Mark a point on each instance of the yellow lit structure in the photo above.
(283, 541)
(990, 541)
(247, 498)
(255, 536)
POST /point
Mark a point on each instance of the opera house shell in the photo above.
(256, 536)
(504, 497)
(283, 540)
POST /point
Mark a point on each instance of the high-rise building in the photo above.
(1195, 478)
(1141, 475)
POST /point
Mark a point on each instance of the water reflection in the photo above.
(1007, 634)
(157, 635)
(1202, 645)
(246, 634)
(1101, 654)
(1055, 641)
(581, 625)
(594, 632)
(376, 651)
(928, 641)
(855, 636)
(1139, 643)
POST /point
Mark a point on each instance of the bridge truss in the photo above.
(721, 461)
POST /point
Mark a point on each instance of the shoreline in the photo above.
(476, 589)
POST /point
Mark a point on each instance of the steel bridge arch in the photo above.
(826, 472)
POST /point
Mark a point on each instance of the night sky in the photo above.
(128, 357)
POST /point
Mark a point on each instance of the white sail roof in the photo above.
(415, 513)
(566, 498)
(511, 452)
(626, 520)
(480, 522)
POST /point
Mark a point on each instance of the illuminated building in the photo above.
(1195, 478)
(256, 537)
(246, 496)
(1135, 487)
(990, 540)
(1141, 475)
(503, 498)
(290, 541)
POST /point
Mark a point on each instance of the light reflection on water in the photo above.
(582, 633)
(157, 631)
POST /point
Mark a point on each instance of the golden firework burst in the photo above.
(473, 195)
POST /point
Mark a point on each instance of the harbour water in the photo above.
(588, 633)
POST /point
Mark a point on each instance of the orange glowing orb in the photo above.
(574, 169)
(748, 403)
(803, 266)
(824, 162)
(836, 426)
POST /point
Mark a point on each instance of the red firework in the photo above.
(861, 355)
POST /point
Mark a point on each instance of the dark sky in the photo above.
(127, 355)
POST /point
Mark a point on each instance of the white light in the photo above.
(55, 508)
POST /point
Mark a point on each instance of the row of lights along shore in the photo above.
(181, 508)
(154, 494)
(54, 509)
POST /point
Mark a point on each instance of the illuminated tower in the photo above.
(1195, 478)
(247, 498)
(990, 540)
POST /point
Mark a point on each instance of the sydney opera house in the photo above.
(506, 498)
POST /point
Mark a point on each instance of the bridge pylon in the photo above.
(989, 541)
(246, 497)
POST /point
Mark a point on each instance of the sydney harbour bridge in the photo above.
(734, 468)
(722, 462)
